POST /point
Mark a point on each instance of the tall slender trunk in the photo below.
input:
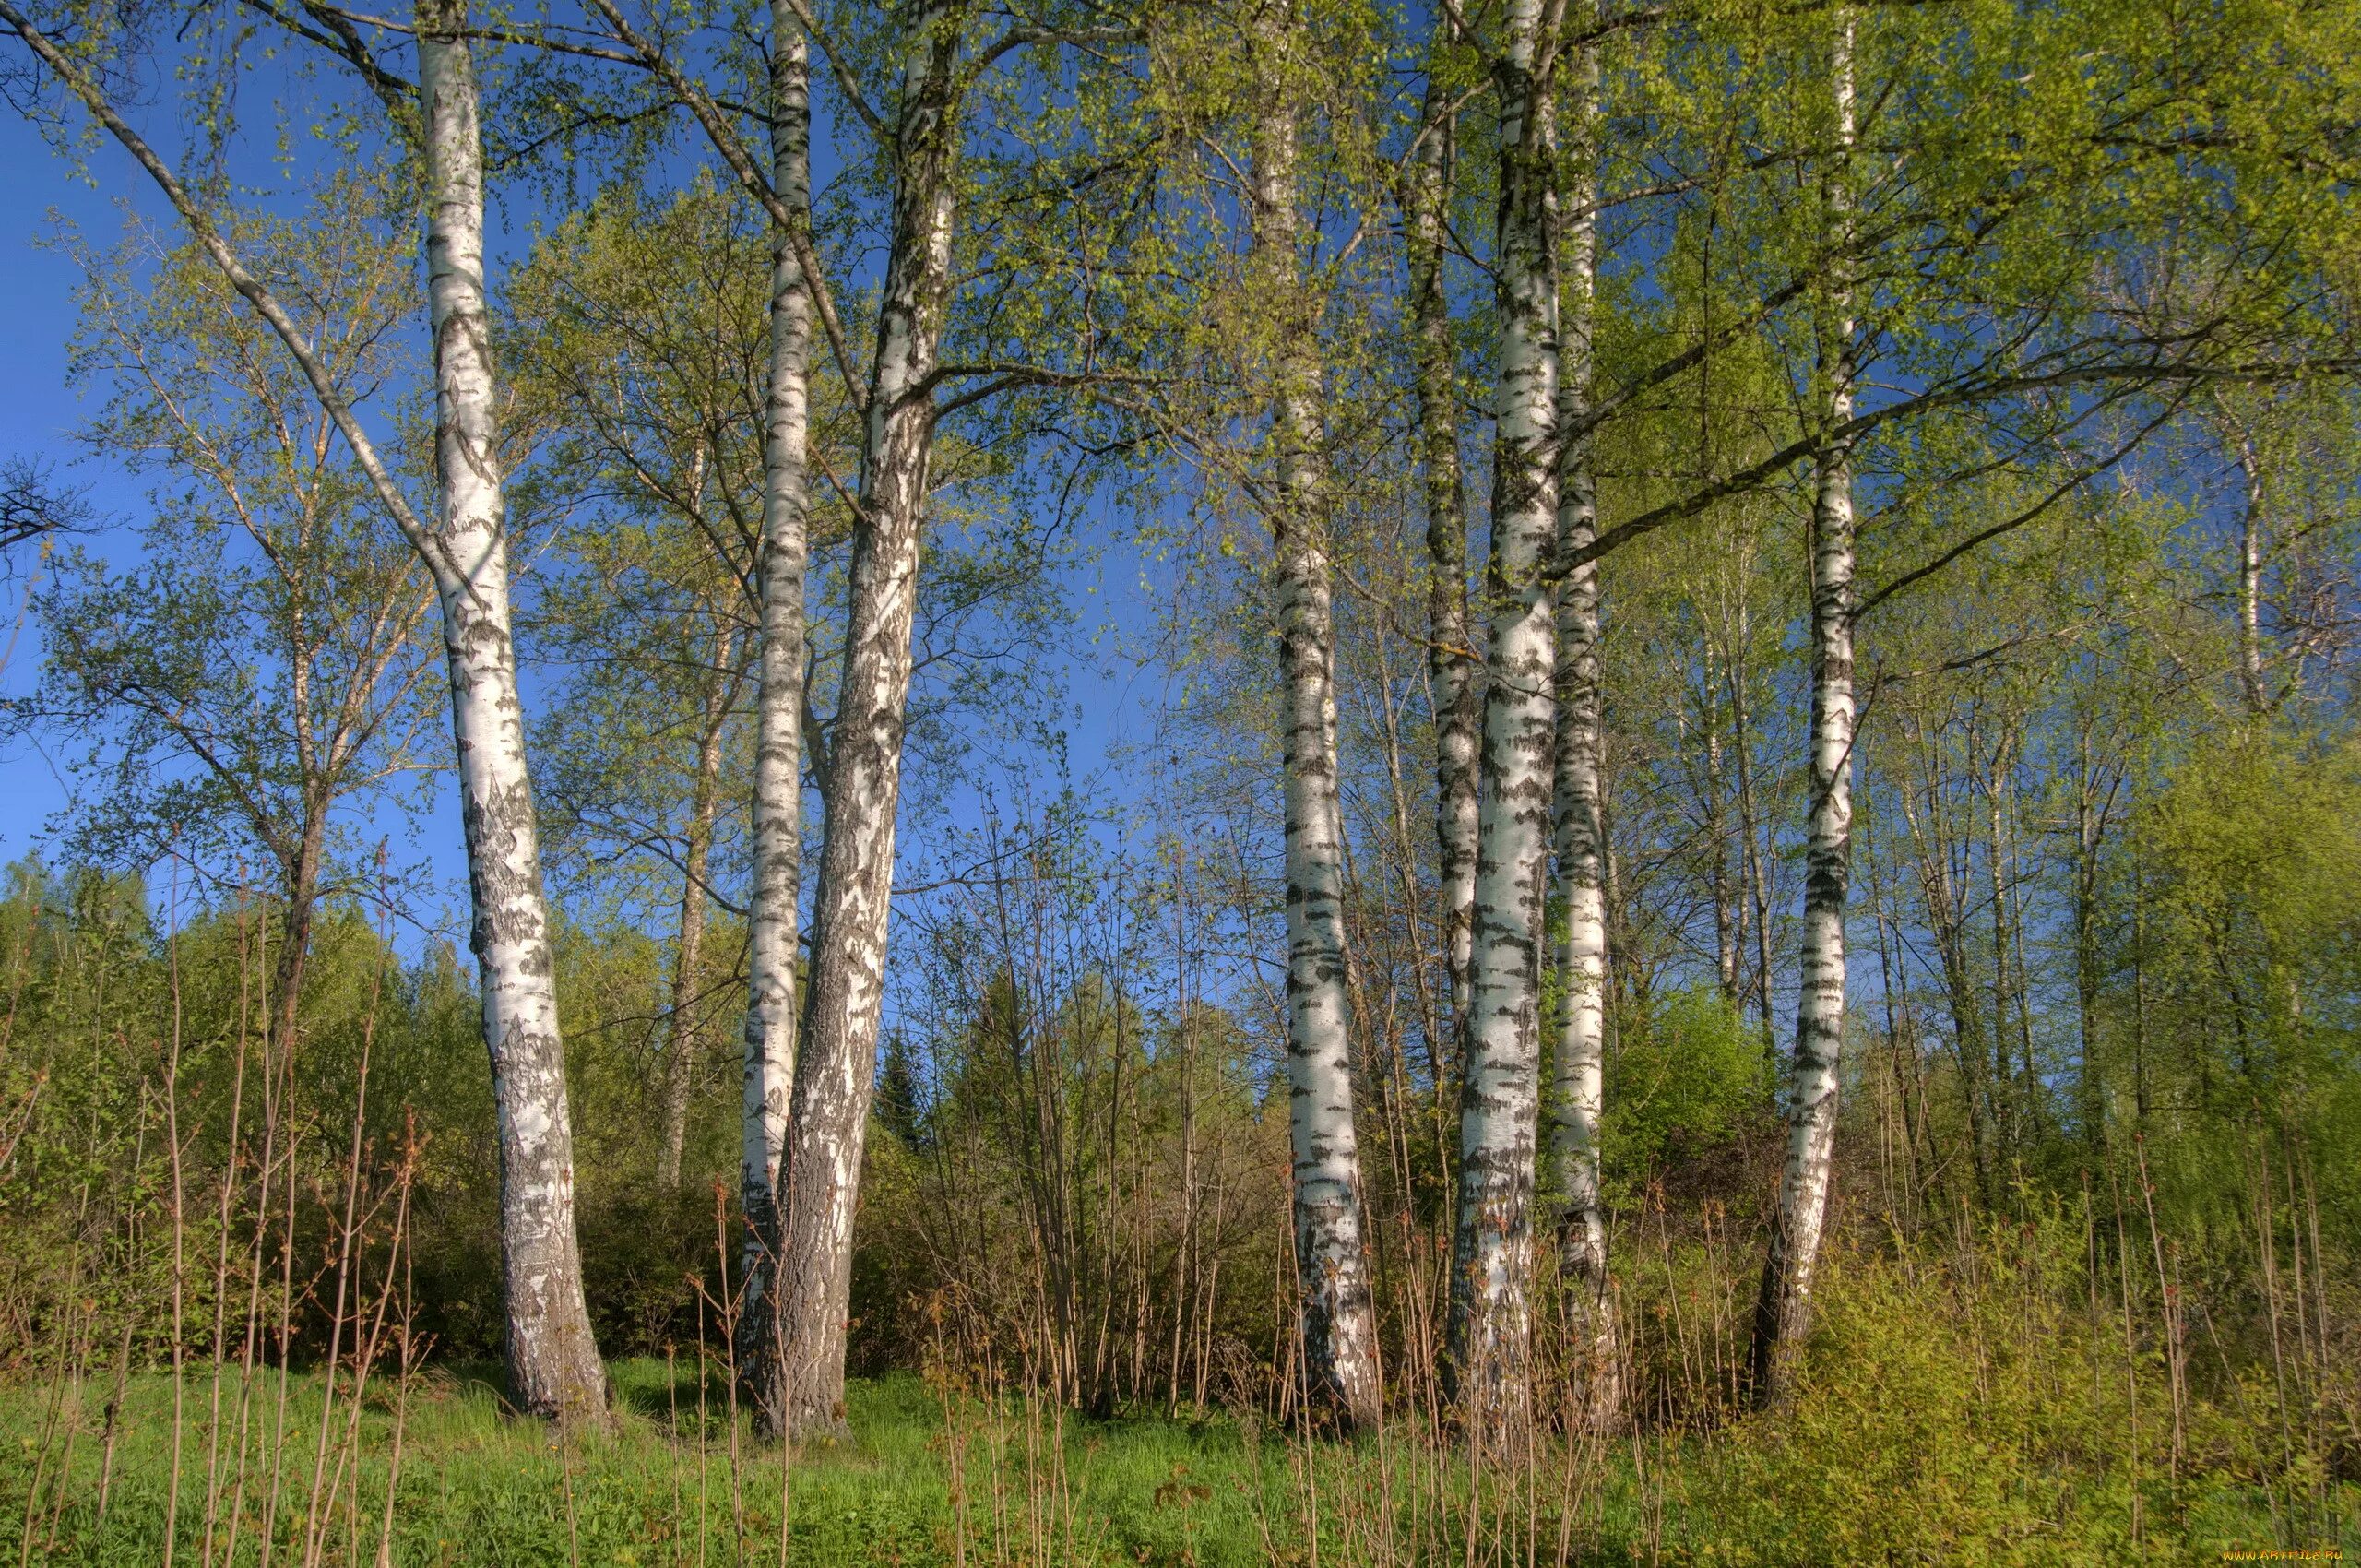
(770, 1027)
(1783, 1313)
(2139, 993)
(2092, 808)
(1942, 894)
(1717, 834)
(2251, 580)
(553, 1367)
(1451, 667)
(1901, 1022)
(829, 1113)
(1500, 1105)
(1338, 1315)
(2008, 979)
(1750, 814)
(688, 953)
(1580, 821)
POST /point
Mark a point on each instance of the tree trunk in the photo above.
(553, 1367)
(295, 947)
(1717, 834)
(1757, 876)
(1580, 822)
(829, 1115)
(688, 955)
(1783, 1313)
(2250, 581)
(1499, 1107)
(1450, 651)
(1339, 1324)
(770, 1027)
(2093, 805)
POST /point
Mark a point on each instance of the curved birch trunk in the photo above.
(1340, 1377)
(1579, 1058)
(829, 1115)
(770, 1028)
(1783, 1313)
(1492, 1253)
(553, 1367)
(1450, 651)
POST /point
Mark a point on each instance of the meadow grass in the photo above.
(919, 1483)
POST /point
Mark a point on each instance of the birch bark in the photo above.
(1579, 1057)
(553, 1366)
(1783, 1312)
(1450, 651)
(1332, 1270)
(2251, 682)
(1500, 1104)
(829, 1112)
(770, 1027)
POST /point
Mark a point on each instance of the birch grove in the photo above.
(1257, 968)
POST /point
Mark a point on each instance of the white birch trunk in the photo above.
(1338, 1317)
(1783, 1313)
(2250, 681)
(1579, 1059)
(1490, 1326)
(1451, 652)
(770, 1028)
(553, 1366)
(829, 1114)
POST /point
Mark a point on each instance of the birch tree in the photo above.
(1338, 1316)
(260, 671)
(1499, 1103)
(781, 186)
(829, 1115)
(1578, 1058)
(770, 1027)
(1783, 1312)
(553, 1364)
(1451, 669)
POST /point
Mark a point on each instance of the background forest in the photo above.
(1552, 780)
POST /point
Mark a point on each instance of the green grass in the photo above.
(478, 1487)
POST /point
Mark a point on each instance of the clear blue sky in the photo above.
(1110, 702)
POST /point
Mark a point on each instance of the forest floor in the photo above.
(920, 1484)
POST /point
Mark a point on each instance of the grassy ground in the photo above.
(669, 1487)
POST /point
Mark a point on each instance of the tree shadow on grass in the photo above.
(680, 1397)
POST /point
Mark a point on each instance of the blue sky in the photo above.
(1110, 701)
(38, 413)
